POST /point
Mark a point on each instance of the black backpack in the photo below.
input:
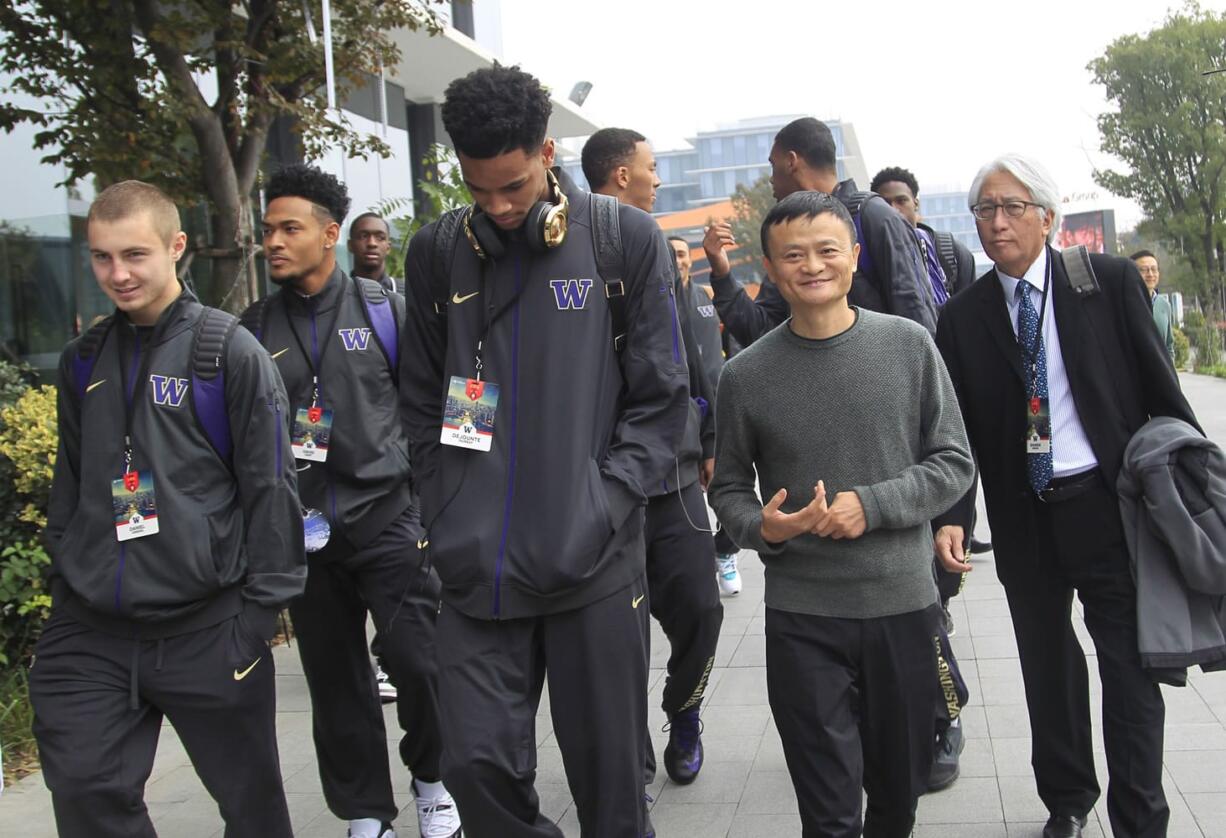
(606, 239)
(208, 374)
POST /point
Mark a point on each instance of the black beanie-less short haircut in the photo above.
(495, 110)
(607, 149)
(811, 140)
(804, 205)
(299, 180)
(895, 174)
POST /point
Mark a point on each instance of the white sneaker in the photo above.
(729, 578)
(387, 690)
(370, 828)
(437, 815)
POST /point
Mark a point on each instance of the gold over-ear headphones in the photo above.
(545, 227)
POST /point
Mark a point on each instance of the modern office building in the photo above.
(47, 290)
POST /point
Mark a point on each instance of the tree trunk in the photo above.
(233, 274)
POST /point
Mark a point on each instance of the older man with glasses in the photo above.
(1052, 382)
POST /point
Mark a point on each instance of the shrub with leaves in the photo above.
(28, 439)
(28, 443)
(1183, 349)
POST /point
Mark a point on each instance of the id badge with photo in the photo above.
(312, 433)
(468, 417)
(1038, 426)
(134, 505)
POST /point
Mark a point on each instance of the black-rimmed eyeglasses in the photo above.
(1013, 209)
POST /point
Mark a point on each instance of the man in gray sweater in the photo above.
(851, 424)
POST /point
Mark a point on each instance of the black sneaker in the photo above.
(683, 753)
(945, 763)
(978, 547)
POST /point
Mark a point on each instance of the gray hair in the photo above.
(1033, 175)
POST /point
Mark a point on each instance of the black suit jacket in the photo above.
(1119, 374)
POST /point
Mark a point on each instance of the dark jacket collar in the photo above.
(176, 317)
(326, 299)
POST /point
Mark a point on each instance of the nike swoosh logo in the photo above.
(277, 355)
(98, 383)
(238, 676)
(457, 299)
(637, 600)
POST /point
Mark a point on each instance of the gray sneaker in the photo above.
(945, 763)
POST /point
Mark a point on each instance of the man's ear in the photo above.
(622, 177)
(177, 246)
(793, 162)
(332, 234)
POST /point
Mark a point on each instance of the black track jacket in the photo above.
(364, 484)
(229, 534)
(551, 518)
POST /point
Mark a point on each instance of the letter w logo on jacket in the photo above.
(570, 293)
(354, 338)
(168, 392)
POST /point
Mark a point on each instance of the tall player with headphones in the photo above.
(544, 388)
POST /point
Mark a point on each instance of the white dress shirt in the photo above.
(1070, 449)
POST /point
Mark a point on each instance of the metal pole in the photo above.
(329, 77)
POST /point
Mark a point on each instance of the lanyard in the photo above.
(491, 314)
(133, 386)
(1030, 355)
(315, 362)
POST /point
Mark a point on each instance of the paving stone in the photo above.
(970, 800)
(719, 782)
(747, 825)
(768, 793)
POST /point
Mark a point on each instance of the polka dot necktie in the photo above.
(1038, 465)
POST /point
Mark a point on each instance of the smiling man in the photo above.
(566, 398)
(851, 606)
(173, 545)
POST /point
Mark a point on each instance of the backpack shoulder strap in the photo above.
(610, 262)
(255, 317)
(1080, 272)
(87, 353)
(446, 236)
(854, 203)
(948, 256)
(382, 319)
(213, 331)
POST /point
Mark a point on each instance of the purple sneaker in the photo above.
(683, 754)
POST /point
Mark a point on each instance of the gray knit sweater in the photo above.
(871, 410)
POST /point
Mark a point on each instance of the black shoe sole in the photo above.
(944, 784)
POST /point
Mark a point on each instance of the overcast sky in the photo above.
(938, 88)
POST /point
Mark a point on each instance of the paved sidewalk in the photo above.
(744, 788)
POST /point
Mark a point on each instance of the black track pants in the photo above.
(683, 593)
(386, 578)
(490, 679)
(99, 701)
